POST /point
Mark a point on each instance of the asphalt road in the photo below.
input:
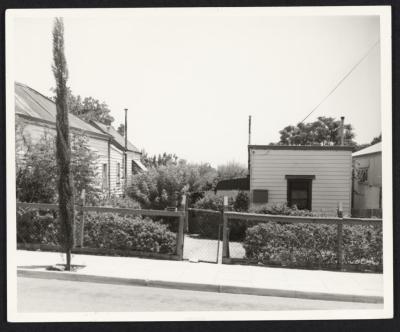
(44, 295)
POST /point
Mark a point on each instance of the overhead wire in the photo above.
(342, 79)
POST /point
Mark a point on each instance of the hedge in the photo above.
(102, 230)
(312, 245)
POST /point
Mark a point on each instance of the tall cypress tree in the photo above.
(63, 153)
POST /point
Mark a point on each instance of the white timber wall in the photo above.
(331, 168)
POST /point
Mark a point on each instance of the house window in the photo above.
(299, 191)
(362, 174)
(104, 177)
(118, 173)
(260, 196)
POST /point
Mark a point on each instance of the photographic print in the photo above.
(199, 164)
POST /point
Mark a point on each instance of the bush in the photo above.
(110, 231)
(105, 230)
(38, 227)
(204, 223)
(242, 202)
(311, 245)
(119, 202)
(362, 244)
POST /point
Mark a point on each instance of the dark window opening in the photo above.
(299, 193)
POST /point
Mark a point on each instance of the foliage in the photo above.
(118, 201)
(231, 170)
(324, 131)
(37, 172)
(284, 210)
(38, 227)
(63, 147)
(157, 161)
(212, 201)
(206, 224)
(121, 129)
(312, 245)
(363, 244)
(164, 186)
(111, 231)
(242, 202)
(89, 108)
(291, 244)
(105, 230)
(375, 140)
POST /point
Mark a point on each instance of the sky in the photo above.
(191, 81)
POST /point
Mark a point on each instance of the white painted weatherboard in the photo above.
(332, 170)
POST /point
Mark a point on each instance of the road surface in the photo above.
(46, 295)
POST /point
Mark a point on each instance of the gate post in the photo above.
(225, 240)
(79, 241)
(339, 252)
(181, 228)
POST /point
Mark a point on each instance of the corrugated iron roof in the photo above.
(371, 149)
(32, 103)
(116, 135)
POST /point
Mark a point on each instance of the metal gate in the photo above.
(203, 236)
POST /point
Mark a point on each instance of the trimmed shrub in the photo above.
(311, 245)
(362, 244)
(38, 227)
(110, 231)
(105, 230)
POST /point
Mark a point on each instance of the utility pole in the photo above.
(126, 150)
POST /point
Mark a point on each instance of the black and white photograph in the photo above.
(192, 164)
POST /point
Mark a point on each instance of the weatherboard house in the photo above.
(367, 180)
(316, 178)
(37, 113)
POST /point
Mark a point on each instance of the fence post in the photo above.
(181, 228)
(225, 240)
(339, 252)
(186, 209)
(82, 223)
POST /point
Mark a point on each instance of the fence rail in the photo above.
(299, 219)
(81, 209)
(265, 218)
(211, 224)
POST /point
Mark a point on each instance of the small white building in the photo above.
(316, 178)
(367, 185)
(37, 113)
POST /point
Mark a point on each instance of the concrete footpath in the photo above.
(238, 279)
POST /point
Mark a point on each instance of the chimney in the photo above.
(249, 129)
(342, 130)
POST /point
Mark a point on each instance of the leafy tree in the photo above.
(376, 139)
(37, 172)
(89, 109)
(325, 130)
(231, 170)
(163, 186)
(63, 151)
(158, 160)
(121, 129)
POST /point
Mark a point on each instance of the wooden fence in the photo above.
(252, 217)
(81, 209)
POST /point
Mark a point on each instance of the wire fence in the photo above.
(103, 230)
(303, 242)
(202, 239)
